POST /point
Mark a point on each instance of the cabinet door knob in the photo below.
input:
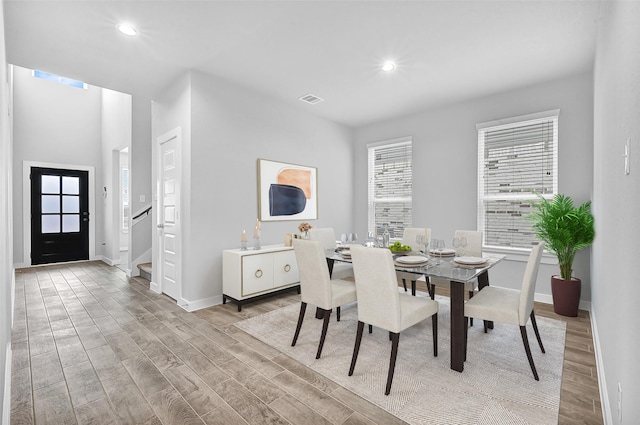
(258, 273)
(287, 268)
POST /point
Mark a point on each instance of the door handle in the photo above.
(161, 226)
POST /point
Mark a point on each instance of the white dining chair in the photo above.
(317, 288)
(510, 306)
(381, 304)
(409, 238)
(327, 237)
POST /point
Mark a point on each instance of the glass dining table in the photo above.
(457, 274)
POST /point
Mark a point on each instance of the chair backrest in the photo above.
(326, 236)
(410, 233)
(376, 287)
(474, 242)
(529, 283)
(315, 283)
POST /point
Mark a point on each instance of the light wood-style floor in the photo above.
(91, 346)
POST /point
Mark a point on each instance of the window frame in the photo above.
(371, 198)
(514, 122)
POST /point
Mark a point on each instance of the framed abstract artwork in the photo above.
(287, 191)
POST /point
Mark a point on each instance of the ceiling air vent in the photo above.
(311, 99)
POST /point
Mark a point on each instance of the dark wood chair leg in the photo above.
(525, 341)
(303, 308)
(390, 336)
(370, 329)
(338, 313)
(404, 283)
(470, 319)
(432, 292)
(325, 325)
(535, 329)
(413, 288)
(395, 339)
(486, 326)
(356, 347)
(434, 330)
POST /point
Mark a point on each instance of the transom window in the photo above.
(517, 159)
(390, 186)
(58, 79)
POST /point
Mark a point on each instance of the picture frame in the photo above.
(287, 191)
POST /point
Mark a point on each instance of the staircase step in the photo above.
(145, 270)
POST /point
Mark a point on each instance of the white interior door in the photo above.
(169, 214)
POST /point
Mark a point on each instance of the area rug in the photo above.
(496, 386)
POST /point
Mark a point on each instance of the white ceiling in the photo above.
(446, 51)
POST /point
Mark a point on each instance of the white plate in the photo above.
(470, 260)
(345, 253)
(411, 259)
(445, 251)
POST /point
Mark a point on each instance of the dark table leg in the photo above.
(483, 280)
(457, 326)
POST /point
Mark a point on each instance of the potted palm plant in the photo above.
(565, 229)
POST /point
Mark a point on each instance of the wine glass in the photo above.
(343, 238)
(421, 240)
(463, 245)
(438, 246)
(353, 237)
(456, 245)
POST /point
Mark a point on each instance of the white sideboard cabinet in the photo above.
(252, 274)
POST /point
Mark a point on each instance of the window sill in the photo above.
(521, 255)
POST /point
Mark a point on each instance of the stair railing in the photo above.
(144, 213)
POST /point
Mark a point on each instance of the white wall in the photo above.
(116, 135)
(445, 162)
(230, 128)
(54, 123)
(140, 183)
(616, 202)
(6, 259)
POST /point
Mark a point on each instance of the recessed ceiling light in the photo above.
(388, 66)
(127, 29)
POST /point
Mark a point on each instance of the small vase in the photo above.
(305, 235)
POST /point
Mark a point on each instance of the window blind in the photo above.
(515, 162)
(390, 186)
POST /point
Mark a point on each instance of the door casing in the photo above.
(157, 273)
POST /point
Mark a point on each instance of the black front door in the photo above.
(59, 215)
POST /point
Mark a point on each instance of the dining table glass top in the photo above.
(445, 267)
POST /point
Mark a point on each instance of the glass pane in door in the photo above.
(71, 185)
(70, 223)
(50, 184)
(50, 204)
(51, 223)
(71, 204)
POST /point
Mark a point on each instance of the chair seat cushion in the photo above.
(342, 292)
(414, 310)
(494, 304)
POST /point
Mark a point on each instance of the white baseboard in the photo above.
(602, 382)
(109, 261)
(548, 299)
(191, 306)
(6, 403)
(155, 287)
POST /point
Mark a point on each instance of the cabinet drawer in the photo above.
(257, 274)
(285, 268)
